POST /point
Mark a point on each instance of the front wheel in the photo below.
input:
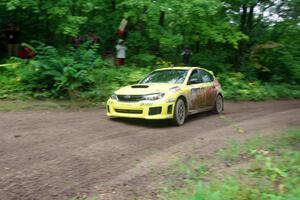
(179, 112)
(219, 105)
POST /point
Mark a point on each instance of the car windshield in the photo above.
(166, 76)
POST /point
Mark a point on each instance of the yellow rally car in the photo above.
(169, 93)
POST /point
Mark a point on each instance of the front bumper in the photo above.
(143, 110)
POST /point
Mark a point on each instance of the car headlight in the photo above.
(114, 96)
(155, 96)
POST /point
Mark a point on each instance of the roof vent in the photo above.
(140, 86)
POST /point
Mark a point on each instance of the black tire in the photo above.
(219, 105)
(180, 112)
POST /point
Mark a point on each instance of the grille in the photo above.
(130, 98)
(129, 111)
(154, 111)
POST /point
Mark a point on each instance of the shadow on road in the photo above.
(160, 123)
(199, 116)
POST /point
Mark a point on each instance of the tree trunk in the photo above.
(161, 23)
(246, 27)
(162, 18)
(113, 5)
(250, 19)
(243, 18)
(239, 55)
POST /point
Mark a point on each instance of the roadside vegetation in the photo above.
(81, 75)
(48, 104)
(260, 168)
(254, 54)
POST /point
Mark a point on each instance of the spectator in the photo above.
(2, 44)
(92, 37)
(26, 51)
(121, 52)
(186, 56)
(12, 34)
(77, 41)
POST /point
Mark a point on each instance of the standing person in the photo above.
(121, 52)
(2, 44)
(91, 36)
(77, 41)
(12, 34)
(186, 56)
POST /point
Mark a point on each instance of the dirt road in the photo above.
(64, 154)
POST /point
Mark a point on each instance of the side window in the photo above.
(195, 78)
(206, 76)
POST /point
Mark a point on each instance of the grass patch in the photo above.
(269, 170)
(18, 105)
(231, 152)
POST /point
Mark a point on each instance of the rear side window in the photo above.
(195, 78)
(206, 76)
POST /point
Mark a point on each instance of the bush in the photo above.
(237, 87)
(106, 80)
(80, 73)
(143, 60)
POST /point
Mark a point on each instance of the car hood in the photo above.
(142, 89)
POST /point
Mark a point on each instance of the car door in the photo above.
(208, 87)
(196, 93)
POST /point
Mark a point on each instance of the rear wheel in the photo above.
(179, 112)
(219, 105)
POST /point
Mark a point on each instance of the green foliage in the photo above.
(233, 189)
(231, 152)
(61, 76)
(191, 169)
(255, 55)
(80, 74)
(269, 174)
(108, 79)
(237, 86)
(143, 60)
(9, 84)
(20, 104)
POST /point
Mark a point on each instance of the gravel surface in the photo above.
(64, 154)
